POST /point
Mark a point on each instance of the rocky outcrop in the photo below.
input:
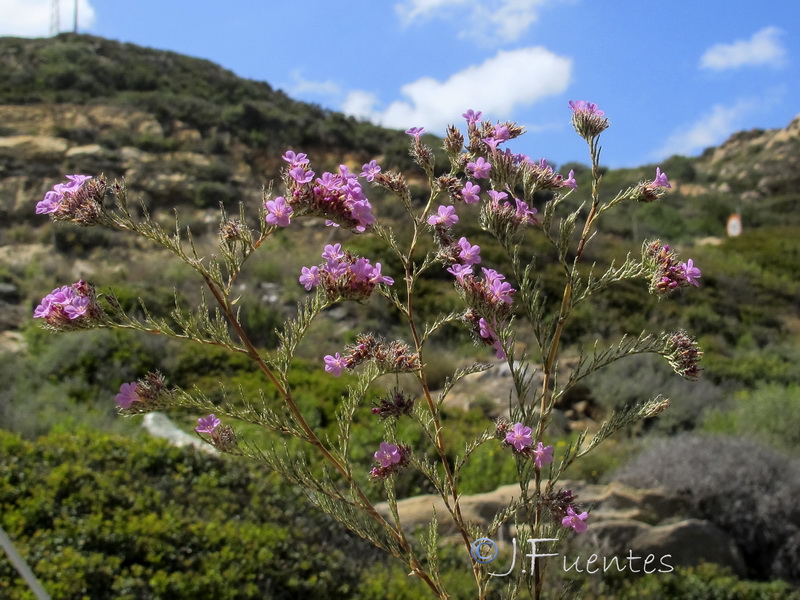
(623, 519)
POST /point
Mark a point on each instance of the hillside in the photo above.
(188, 135)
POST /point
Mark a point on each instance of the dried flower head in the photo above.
(395, 404)
(683, 354)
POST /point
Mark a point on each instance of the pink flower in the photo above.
(446, 216)
(207, 424)
(376, 277)
(582, 106)
(570, 181)
(278, 211)
(472, 117)
(471, 193)
(460, 271)
(576, 521)
(389, 454)
(471, 255)
(309, 278)
(661, 179)
(544, 455)
(480, 168)
(295, 160)
(415, 132)
(335, 364)
(519, 436)
(691, 273)
(369, 170)
(127, 395)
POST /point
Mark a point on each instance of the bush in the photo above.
(103, 517)
(746, 489)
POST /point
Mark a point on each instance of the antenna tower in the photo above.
(55, 18)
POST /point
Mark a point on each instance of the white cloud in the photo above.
(711, 129)
(490, 20)
(32, 18)
(763, 48)
(497, 86)
(301, 86)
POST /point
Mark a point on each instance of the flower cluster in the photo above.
(650, 191)
(147, 394)
(587, 119)
(520, 438)
(344, 276)
(489, 297)
(562, 508)
(666, 273)
(684, 354)
(80, 200)
(543, 177)
(390, 357)
(70, 307)
(338, 197)
(395, 404)
(222, 436)
(391, 458)
(508, 217)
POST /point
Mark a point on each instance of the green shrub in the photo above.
(103, 517)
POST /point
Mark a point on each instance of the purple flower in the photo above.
(691, 272)
(127, 395)
(544, 455)
(309, 278)
(333, 252)
(472, 117)
(460, 271)
(497, 196)
(295, 160)
(471, 193)
(388, 454)
(489, 335)
(492, 143)
(502, 291)
(416, 132)
(501, 133)
(575, 520)
(69, 306)
(570, 181)
(582, 106)
(661, 179)
(471, 255)
(53, 199)
(376, 277)
(207, 424)
(369, 170)
(446, 216)
(278, 211)
(524, 213)
(519, 436)
(300, 175)
(335, 364)
(480, 168)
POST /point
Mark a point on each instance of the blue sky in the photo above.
(673, 77)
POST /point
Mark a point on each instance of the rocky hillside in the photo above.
(180, 130)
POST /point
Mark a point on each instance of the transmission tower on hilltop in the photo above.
(55, 18)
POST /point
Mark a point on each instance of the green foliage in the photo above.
(753, 415)
(704, 582)
(104, 517)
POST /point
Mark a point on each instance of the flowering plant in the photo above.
(505, 187)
